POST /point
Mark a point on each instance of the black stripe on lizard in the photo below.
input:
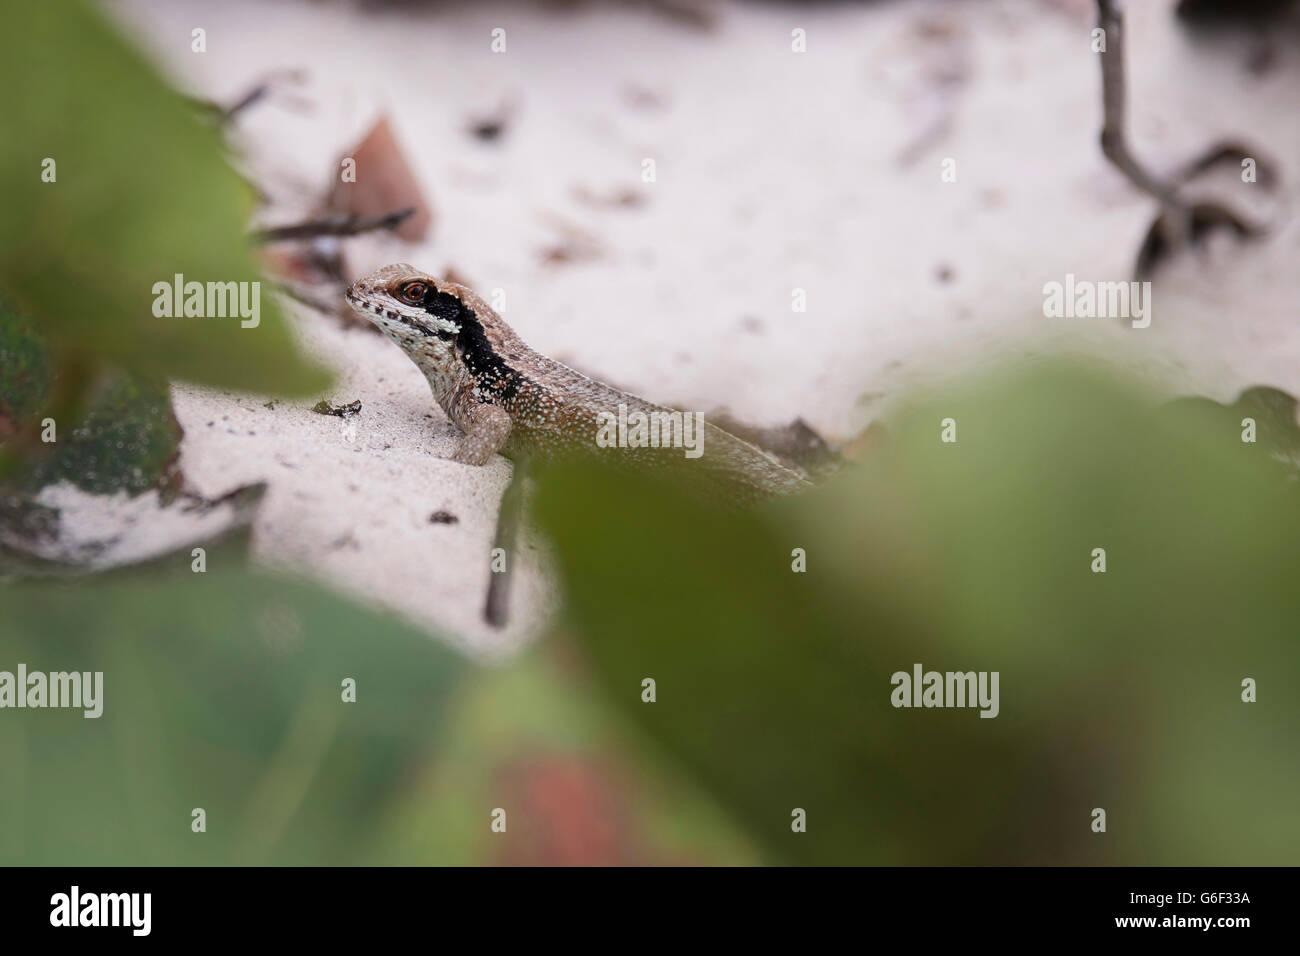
(483, 362)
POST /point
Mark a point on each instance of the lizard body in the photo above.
(507, 398)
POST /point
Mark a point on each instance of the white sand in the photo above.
(775, 171)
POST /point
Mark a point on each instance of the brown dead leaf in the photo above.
(384, 183)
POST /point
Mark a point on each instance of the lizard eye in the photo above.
(413, 292)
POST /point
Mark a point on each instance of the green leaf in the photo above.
(127, 441)
(1118, 690)
(221, 691)
(24, 366)
(141, 193)
(578, 784)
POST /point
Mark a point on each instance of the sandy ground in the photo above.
(776, 171)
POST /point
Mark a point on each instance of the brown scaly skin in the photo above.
(507, 398)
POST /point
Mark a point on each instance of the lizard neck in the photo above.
(489, 351)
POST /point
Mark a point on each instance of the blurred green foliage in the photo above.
(142, 192)
(126, 442)
(221, 691)
(1120, 690)
(579, 783)
(24, 366)
(125, 187)
(125, 437)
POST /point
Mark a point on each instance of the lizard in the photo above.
(505, 397)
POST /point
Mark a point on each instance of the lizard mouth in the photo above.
(369, 308)
(367, 303)
(358, 297)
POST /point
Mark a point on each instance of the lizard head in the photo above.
(408, 305)
(444, 328)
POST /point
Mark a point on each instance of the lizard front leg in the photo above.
(486, 434)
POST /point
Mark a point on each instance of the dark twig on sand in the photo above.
(349, 225)
(1179, 223)
(1114, 143)
(255, 94)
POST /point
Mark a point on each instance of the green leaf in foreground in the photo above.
(141, 193)
(1119, 690)
(124, 437)
(221, 691)
(580, 788)
(128, 441)
(24, 367)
